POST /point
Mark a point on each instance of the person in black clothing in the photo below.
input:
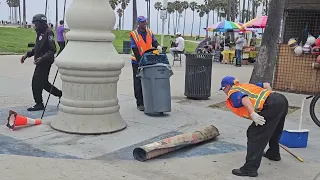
(43, 53)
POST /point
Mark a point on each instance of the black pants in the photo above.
(274, 111)
(40, 82)
(137, 86)
(61, 45)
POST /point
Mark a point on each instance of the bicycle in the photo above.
(314, 100)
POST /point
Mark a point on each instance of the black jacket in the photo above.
(45, 48)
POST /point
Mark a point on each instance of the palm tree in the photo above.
(119, 11)
(13, 5)
(176, 8)
(114, 3)
(200, 10)
(180, 11)
(124, 4)
(170, 10)
(157, 6)
(185, 6)
(193, 7)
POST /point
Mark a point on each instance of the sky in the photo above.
(38, 6)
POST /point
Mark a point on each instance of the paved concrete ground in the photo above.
(54, 155)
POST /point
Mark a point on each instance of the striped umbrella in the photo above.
(245, 29)
(224, 26)
(258, 22)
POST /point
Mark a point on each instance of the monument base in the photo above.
(78, 124)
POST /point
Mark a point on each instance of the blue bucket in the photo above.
(295, 138)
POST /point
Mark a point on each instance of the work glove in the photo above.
(23, 58)
(159, 48)
(37, 61)
(259, 120)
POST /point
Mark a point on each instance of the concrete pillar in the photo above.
(89, 68)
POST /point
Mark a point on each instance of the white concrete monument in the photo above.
(89, 68)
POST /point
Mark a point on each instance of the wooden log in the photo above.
(173, 143)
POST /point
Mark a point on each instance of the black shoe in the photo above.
(140, 108)
(275, 158)
(238, 172)
(37, 107)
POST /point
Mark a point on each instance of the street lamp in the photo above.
(163, 16)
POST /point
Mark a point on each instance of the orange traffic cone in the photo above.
(14, 119)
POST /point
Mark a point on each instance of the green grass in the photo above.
(15, 40)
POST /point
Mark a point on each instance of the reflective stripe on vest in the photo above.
(258, 98)
(256, 95)
(141, 44)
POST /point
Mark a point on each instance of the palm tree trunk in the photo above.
(64, 9)
(158, 22)
(24, 14)
(57, 13)
(20, 23)
(207, 24)
(173, 19)
(134, 14)
(253, 9)
(122, 20)
(192, 23)
(46, 8)
(229, 10)
(243, 10)
(169, 23)
(184, 20)
(248, 11)
(212, 16)
(200, 26)
(119, 22)
(267, 6)
(179, 15)
(267, 56)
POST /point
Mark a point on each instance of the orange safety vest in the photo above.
(256, 94)
(141, 44)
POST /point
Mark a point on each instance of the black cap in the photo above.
(39, 18)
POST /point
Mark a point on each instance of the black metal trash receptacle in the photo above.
(126, 47)
(198, 76)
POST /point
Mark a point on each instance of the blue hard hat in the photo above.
(141, 19)
(228, 80)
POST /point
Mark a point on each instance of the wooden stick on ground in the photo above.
(286, 149)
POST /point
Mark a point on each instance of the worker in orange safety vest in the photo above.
(142, 39)
(267, 110)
